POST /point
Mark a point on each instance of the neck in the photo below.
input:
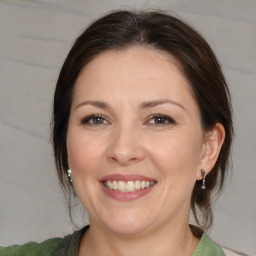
(176, 240)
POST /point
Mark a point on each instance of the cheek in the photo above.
(84, 152)
(177, 155)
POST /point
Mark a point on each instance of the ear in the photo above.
(211, 149)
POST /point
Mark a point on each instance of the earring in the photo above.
(69, 175)
(203, 175)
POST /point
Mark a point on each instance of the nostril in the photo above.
(124, 159)
(125, 148)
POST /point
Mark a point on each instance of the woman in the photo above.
(141, 130)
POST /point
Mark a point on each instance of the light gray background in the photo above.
(35, 37)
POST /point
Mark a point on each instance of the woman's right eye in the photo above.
(93, 120)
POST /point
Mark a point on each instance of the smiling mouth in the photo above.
(129, 186)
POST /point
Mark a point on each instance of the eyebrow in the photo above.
(98, 104)
(144, 105)
(153, 103)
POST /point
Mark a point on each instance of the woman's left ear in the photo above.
(211, 148)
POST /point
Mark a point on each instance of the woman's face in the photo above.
(134, 141)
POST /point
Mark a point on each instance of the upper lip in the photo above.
(129, 177)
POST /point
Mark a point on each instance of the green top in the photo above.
(69, 246)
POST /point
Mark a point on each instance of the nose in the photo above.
(125, 147)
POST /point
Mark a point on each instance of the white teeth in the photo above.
(137, 184)
(129, 186)
(121, 185)
(109, 184)
(114, 185)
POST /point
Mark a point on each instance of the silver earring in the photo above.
(203, 175)
(69, 175)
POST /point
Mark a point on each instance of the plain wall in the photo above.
(35, 37)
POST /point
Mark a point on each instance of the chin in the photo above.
(128, 224)
(128, 229)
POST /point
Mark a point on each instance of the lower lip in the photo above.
(126, 196)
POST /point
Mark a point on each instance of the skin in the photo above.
(129, 141)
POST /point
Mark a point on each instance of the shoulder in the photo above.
(68, 245)
(208, 247)
(48, 247)
(53, 246)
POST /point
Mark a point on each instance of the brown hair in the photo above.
(121, 29)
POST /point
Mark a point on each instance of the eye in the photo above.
(93, 120)
(160, 119)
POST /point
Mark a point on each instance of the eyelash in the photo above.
(165, 117)
(86, 120)
(94, 117)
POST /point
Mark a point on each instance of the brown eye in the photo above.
(160, 119)
(97, 120)
(94, 120)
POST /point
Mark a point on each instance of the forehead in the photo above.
(143, 56)
(135, 72)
